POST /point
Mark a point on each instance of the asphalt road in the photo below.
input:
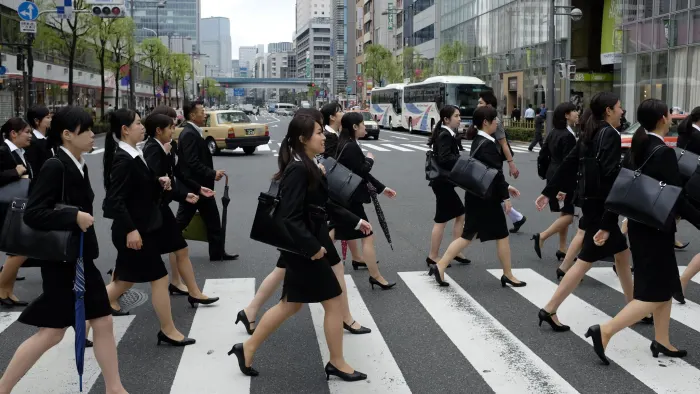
(473, 337)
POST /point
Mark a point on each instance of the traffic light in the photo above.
(20, 61)
(572, 71)
(561, 69)
(108, 11)
(311, 85)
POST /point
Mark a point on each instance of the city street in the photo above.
(472, 337)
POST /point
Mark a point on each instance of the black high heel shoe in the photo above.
(560, 255)
(237, 349)
(682, 246)
(460, 260)
(119, 313)
(348, 377)
(594, 333)
(357, 264)
(242, 317)
(647, 320)
(430, 262)
(678, 296)
(560, 274)
(538, 250)
(434, 271)
(657, 348)
(356, 331)
(174, 290)
(164, 338)
(9, 302)
(545, 316)
(88, 343)
(505, 280)
(387, 286)
(206, 301)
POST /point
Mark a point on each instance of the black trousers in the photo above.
(536, 140)
(210, 214)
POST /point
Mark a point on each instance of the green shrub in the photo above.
(520, 134)
(100, 127)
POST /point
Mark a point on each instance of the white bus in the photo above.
(422, 101)
(386, 104)
(285, 106)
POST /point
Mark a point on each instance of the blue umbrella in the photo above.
(79, 290)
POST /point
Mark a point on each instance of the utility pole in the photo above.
(132, 83)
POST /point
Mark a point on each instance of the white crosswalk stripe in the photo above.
(504, 360)
(374, 147)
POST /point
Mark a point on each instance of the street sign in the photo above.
(28, 11)
(238, 92)
(390, 15)
(348, 90)
(3, 70)
(27, 27)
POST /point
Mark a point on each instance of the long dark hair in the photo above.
(157, 121)
(12, 124)
(69, 118)
(686, 125)
(446, 112)
(117, 119)
(649, 112)
(559, 118)
(302, 125)
(599, 104)
(347, 132)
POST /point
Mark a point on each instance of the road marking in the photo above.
(505, 363)
(374, 147)
(628, 349)
(367, 353)
(402, 149)
(205, 367)
(264, 148)
(55, 371)
(423, 148)
(695, 278)
(401, 138)
(274, 151)
(688, 314)
(7, 318)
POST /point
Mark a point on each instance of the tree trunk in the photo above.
(71, 63)
(153, 72)
(102, 79)
(177, 93)
(30, 69)
(116, 84)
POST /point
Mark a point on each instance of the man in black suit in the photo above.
(198, 167)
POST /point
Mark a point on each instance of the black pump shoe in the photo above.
(461, 260)
(164, 338)
(9, 302)
(237, 349)
(386, 286)
(560, 274)
(657, 348)
(348, 377)
(545, 316)
(430, 262)
(678, 296)
(356, 331)
(173, 290)
(119, 313)
(434, 271)
(517, 225)
(560, 255)
(538, 250)
(594, 333)
(505, 280)
(242, 317)
(682, 246)
(205, 301)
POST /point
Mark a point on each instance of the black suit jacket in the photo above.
(331, 144)
(690, 141)
(195, 159)
(488, 153)
(38, 152)
(134, 195)
(446, 150)
(46, 193)
(557, 145)
(163, 164)
(350, 155)
(8, 164)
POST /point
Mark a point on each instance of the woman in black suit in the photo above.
(39, 150)
(132, 200)
(600, 142)
(445, 144)
(559, 142)
(655, 268)
(689, 139)
(65, 180)
(350, 155)
(13, 167)
(303, 194)
(485, 218)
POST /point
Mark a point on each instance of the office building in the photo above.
(278, 64)
(235, 68)
(246, 59)
(314, 43)
(310, 9)
(339, 75)
(216, 44)
(277, 47)
(420, 29)
(172, 18)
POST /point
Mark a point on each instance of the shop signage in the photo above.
(611, 35)
(513, 84)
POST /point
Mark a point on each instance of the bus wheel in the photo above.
(410, 125)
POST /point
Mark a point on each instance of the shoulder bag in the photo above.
(642, 198)
(687, 161)
(21, 240)
(474, 176)
(543, 162)
(342, 183)
(267, 225)
(18, 188)
(433, 170)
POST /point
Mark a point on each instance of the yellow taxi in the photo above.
(230, 129)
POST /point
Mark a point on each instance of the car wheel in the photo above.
(249, 150)
(211, 145)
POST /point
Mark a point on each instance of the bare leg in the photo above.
(27, 354)
(690, 271)
(564, 233)
(185, 269)
(436, 240)
(115, 290)
(269, 323)
(106, 353)
(624, 273)
(573, 251)
(371, 259)
(9, 275)
(175, 277)
(629, 315)
(453, 250)
(355, 251)
(662, 320)
(339, 271)
(457, 231)
(268, 287)
(561, 224)
(161, 303)
(567, 285)
(503, 250)
(333, 328)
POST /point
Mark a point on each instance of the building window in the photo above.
(424, 35)
(677, 73)
(695, 23)
(694, 73)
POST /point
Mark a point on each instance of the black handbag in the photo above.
(687, 162)
(589, 173)
(21, 240)
(543, 162)
(692, 187)
(268, 228)
(342, 183)
(433, 170)
(644, 199)
(474, 176)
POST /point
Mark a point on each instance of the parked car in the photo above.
(670, 139)
(371, 126)
(231, 130)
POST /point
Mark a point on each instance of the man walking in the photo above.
(529, 114)
(198, 166)
(539, 126)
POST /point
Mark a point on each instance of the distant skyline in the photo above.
(254, 22)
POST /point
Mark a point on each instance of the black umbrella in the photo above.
(380, 213)
(224, 202)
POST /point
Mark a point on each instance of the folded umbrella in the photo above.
(380, 213)
(344, 247)
(79, 291)
(225, 200)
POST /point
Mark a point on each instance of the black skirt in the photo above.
(567, 209)
(484, 219)
(169, 235)
(343, 233)
(139, 266)
(590, 223)
(55, 307)
(448, 205)
(655, 268)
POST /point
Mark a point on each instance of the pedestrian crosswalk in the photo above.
(504, 359)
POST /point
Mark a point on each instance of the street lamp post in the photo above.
(161, 4)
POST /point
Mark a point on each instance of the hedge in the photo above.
(520, 134)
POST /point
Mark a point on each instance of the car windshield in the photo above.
(366, 116)
(232, 117)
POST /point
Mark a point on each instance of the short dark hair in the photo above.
(489, 98)
(563, 109)
(482, 114)
(156, 121)
(12, 124)
(69, 118)
(189, 107)
(38, 111)
(164, 110)
(329, 110)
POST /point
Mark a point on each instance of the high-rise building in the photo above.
(278, 64)
(235, 69)
(313, 25)
(339, 48)
(276, 47)
(246, 60)
(167, 18)
(216, 44)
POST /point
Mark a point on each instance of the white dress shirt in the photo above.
(80, 164)
(571, 130)
(485, 135)
(20, 151)
(38, 134)
(132, 151)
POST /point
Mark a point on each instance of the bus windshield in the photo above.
(465, 97)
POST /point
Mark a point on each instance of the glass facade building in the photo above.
(177, 18)
(660, 53)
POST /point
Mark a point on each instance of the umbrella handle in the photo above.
(226, 176)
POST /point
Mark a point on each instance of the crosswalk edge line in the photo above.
(695, 278)
(7, 318)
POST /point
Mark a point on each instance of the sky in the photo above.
(254, 21)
